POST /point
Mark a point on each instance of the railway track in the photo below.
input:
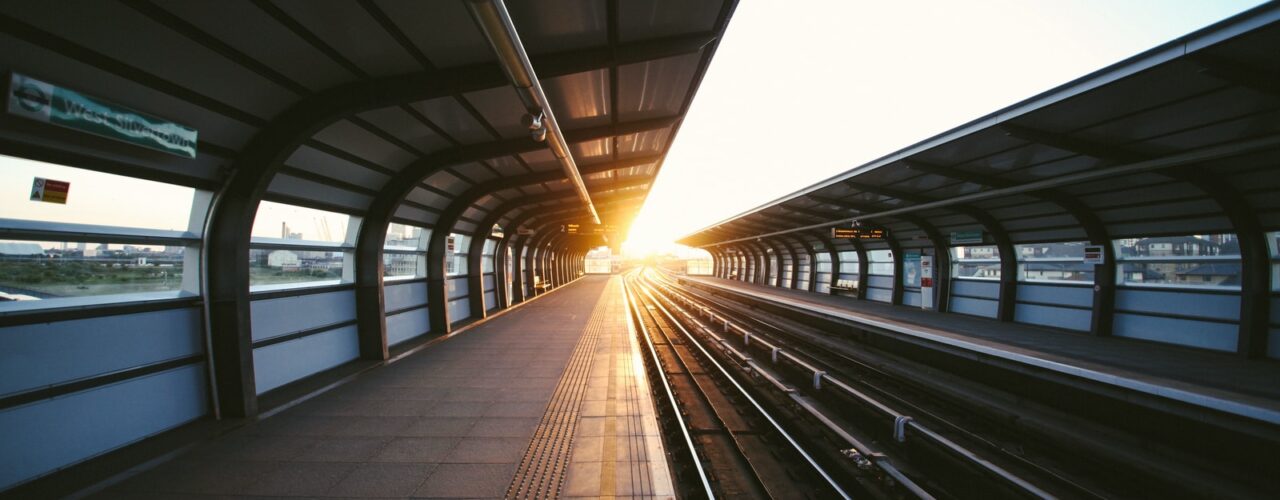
(730, 445)
(941, 436)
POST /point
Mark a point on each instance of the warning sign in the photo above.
(50, 191)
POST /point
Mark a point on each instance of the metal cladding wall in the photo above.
(62, 396)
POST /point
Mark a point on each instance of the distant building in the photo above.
(1217, 273)
(283, 259)
(19, 249)
(1170, 246)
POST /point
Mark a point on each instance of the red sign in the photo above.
(50, 191)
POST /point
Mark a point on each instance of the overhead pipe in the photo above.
(494, 21)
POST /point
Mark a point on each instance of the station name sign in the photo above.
(586, 229)
(858, 233)
(45, 102)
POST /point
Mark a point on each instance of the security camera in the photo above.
(533, 121)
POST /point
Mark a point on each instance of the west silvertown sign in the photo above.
(49, 103)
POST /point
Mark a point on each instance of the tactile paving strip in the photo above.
(542, 470)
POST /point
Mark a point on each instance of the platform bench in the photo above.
(850, 286)
(539, 285)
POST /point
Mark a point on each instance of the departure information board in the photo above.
(858, 233)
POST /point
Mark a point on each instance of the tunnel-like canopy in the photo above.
(362, 116)
(1181, 140)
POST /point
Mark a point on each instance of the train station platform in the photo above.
(546, 399)
(1218, 381)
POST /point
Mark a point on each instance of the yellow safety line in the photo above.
(609, 456)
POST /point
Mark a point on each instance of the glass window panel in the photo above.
(851, 256)
(404, 236)
(880, 262)
(402, 265)
(1211, 261)
(1061, 262)
(456, 254)
(289, 222)
(979, 262)
(93, 198)
(274, 267)
(31, 270)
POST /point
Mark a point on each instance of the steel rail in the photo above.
(943, 442)
(769, 417)
(666, 387)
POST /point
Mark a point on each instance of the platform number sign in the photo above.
(50, 191)
(1093, 254)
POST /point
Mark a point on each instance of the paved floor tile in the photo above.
(467, 481)
(383, 480)
(423, 450)
(473, 450)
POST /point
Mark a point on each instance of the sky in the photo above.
(799, 91)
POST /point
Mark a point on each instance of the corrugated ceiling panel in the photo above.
(540, 160)
(579, 100)
(247, 28)
(507, 166)
(167, 54)
(414, 214)
(558, 25)
(655, 88)
(586, 153)
(312, 160)
(349, 29)
(401, 125)
(501, 107)
(642, 144)
(428, 198)
(443, 31)
(453, 119)
(445, 181)
(473, 172)
(292, 186)
(643, 19)
(354, 139)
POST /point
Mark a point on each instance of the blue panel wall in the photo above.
(824, 282)
(975, 307)
(282, 316)
(911, 298)
(880, 288)
(44, 436)
(44, 354)
(1217, 336)
(880, 295)
(975, 289)
(1046, 297)
(278, 364)
(405, 295)
(1060, 317)
(488, 282)
(459, 309)
(407, 325)
(1185, 303)
(456, 287)
(1081, 296)
(1144, 314)
(1273, 343)
(490, 301)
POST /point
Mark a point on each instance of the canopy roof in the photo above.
(339, 104)
(1177, 140)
